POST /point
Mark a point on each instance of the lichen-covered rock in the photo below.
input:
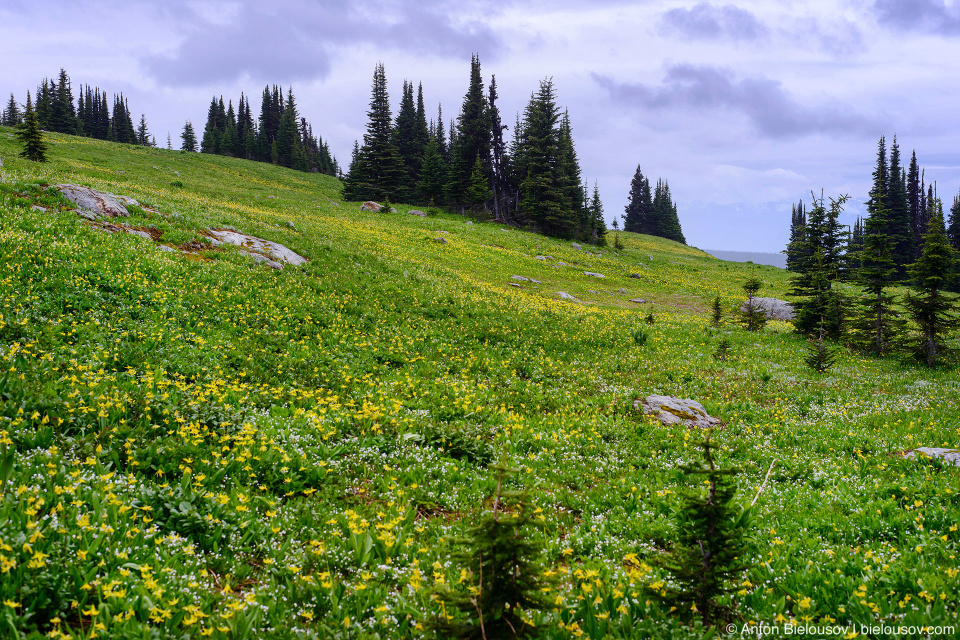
(594, 275)
(563, 295)
(417, 212)
(277, 252)
(670, 411)
(96, 203)
(371, 206)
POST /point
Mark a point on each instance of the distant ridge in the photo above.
(772, 259)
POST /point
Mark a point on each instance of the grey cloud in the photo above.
(708, 22)
(929, 16)
(772, 111)
(293, 39)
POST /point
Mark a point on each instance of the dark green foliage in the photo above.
(934, 312)
(143, 133)
(472, 138)
(717, 313)
(479, 191)
(875, 327)
(543, 200)
(11, 114)
(598, 233)
(406, 137)
(432, 175)
(617, 242)
(914, 204)
(288, 137)
(708, 557)
(797, 243)
(501, 558)
(45, 93)
(188, 138)
(377, 170)
(818, 261)
(502, 184)
(751, 316)
(723, 350)
(574, 192)
(638, 215)
(30, 136)
(666, 221)
(63, 117)
(898, 211)
(820, 357)
(640, 336)
(121, 124)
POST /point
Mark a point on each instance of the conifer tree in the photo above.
(914, 197)
(472, 137)
(479, 192)
(543, 201)
(875, 327)
(288, 138)
(898, 212)
(934, 312)
(599, 231)
(44, 106)
(500, 161)
(11, 115)
(665, 222)
(574, 191)
(817, 267)
(797, 242)
(377, 170)
(638, 214)
(63, 117)
(432, 176)
(188, 138)
(406, 139)
(710, 544)
(30, 136)
(143, 134)
(953, 225)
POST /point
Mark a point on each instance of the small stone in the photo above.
(290, 225)
(274, 265)
(514, 284)
(950, 456)
(371, 206)
(36, 207)
(577, 247)
(636, 275)
(271, 197)
(622, 290)
(441, 240)
(544, 258)
(594, 275)
(563, 295)
(470, 224)
(166, 248)
(637, 300)
(520, 278)
(417, 212)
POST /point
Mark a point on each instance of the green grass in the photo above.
(202, 446)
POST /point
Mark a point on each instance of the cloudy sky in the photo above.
(743, 107)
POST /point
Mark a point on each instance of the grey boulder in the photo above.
(96, 203)
(775, 308)
(950, 456)
(254, 245)
(671, 411)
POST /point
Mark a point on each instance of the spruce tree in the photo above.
(574, 191)
(143, 134)
(432, 176)
(818, 265)
(934, 312)
(63, 117)
(501, 183)
(11, 115)
(188, 139)
(472, 137)
(30, 136)
(953, 225)
(543, 201)
(875, 327)
(638, 212)
(479, 193)
(288, 138)
(44, 106)
(914, 197)
(378, 169)
(598, 232)
(405, 137)
(798, 229)
(898, 212)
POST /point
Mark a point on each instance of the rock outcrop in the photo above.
(417, 212)
(775, 308)
(563, 295)
(96, 204)
(949, 456)
(671, 411)
(253, 245)
(371, 206)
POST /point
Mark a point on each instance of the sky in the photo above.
(743, 107)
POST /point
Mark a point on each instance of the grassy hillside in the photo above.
(196, 445)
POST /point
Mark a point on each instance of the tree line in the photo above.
(90, 117)
(904, 241)
(533, 180)
(653, 214)
(279, 136)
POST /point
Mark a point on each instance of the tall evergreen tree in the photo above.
(818, 264)
(63, 117)
(898, 211)
(188, 138)
(934, 312)
(143, 134)
(288, 136)
(638, 215)
(405, 137)
(598, 233)
(798, 230)
(472, 137)
(574, 191)
(875, 327)
(11, 115)
(914, 197)
(953, 226)
(543, 201)
(378, 168)
(30, 136)
(432, 176)
(499, 159)
(666, 223)
(45, 94)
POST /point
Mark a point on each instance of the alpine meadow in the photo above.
(437, 425)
